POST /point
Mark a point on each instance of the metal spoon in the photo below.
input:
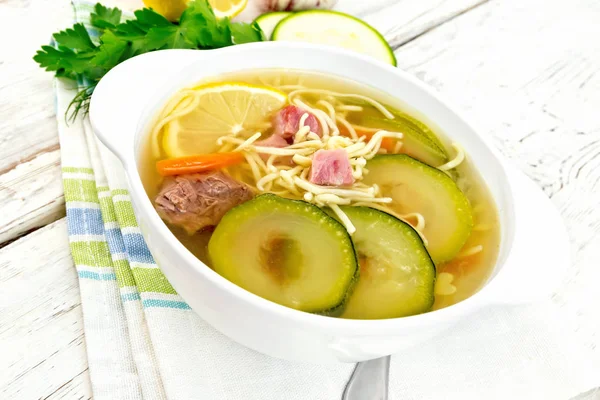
(369, 381)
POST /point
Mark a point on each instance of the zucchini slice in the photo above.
(287, 251)
(397, 276)
(419, 141)
(337, 29)
(269, 21)
(418, 126)
(417, 187)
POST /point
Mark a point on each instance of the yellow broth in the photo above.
(469, 272)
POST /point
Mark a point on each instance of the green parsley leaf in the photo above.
(169, 37)
(49, 58)
(139, 32)
(76, 38)
(203, 28)
(147, 18)
(110, 52)
(246, 33)
(64, 61)
(104, 17)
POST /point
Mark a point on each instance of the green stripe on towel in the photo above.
(152, 280)
(93, 254)
(108, 210)
(125, 214)
(80, 190)
(124, 274)
(75, 169)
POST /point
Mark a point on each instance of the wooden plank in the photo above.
(41, 328)
(27, 117)
(402, 21)
(593, 394)
(31, 196)
(76, 388)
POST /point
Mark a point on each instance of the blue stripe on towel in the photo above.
(97, 276)
(165, 304)
(130, 297)
(115, 240)
(85, 221)
(137, 249)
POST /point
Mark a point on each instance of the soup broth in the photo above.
(456, 278)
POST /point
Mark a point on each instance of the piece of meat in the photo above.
(287, 121)
(331, 168)
(197, 201)
(272, 141)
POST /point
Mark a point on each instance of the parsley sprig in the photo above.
(76, 56)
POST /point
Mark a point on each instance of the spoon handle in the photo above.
(369, 381)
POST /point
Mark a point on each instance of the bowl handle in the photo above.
(122, 94)
(540, 254)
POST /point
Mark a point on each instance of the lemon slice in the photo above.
(230, 108)
(227, 8)
(172, 9)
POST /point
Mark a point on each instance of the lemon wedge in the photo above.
(172, 9)
(227, 8)
(219, 109)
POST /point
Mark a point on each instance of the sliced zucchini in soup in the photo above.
(397, 275)
(418, 142)
(286, 251)
(416, 187)
(411, 122)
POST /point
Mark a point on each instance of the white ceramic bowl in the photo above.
(534, 245)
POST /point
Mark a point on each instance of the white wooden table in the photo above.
(527, 72)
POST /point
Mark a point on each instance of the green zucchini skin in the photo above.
(301, 25)
(287, 251)
(417, 187)
(268, 21)
(419, 141)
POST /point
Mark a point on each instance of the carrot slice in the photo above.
(386, 143)
(197, 163)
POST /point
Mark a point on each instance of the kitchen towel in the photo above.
(144, 342)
